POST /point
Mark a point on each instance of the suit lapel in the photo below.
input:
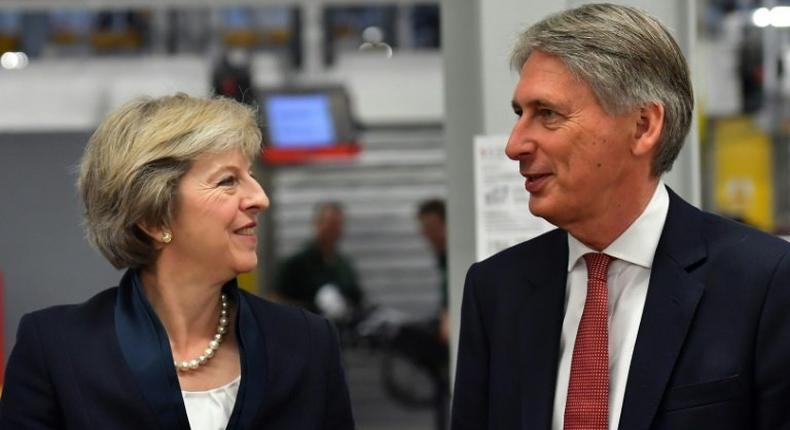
(540, 324)
(672, 298)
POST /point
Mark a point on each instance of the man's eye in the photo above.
(517, 112)
(547, 114)
(227, 181)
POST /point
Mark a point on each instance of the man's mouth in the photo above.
(536, 177)
(535, 182)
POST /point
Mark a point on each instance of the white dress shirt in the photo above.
(210, 410)
(628, 278)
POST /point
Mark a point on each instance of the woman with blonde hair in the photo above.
(169, 195)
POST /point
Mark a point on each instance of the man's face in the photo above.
(434, 230)
(329, 226)
(576, 158)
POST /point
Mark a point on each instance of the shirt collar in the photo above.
(637, 244)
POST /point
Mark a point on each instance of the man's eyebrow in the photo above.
(535, 102)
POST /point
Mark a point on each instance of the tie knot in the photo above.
(597, 265)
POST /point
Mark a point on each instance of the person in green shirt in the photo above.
(319, 277)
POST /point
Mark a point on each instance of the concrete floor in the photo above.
(373, 408)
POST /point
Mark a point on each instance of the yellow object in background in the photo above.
(744, 172)
(248, 281)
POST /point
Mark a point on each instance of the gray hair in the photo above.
(628, 59)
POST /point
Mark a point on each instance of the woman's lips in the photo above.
(246, 231)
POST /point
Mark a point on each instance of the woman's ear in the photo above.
(650, 124)
(161, 235)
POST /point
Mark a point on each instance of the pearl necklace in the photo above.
(222, 329)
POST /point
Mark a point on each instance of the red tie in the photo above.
(587, 406)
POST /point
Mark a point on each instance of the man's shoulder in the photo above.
(688, 226)
(539, 252)
(551, 240)
(723, 232)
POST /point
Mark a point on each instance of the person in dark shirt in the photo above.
(319, 277)
(431, 216)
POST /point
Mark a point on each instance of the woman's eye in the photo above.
(227, 181)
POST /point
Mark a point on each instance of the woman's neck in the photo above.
(188, 309)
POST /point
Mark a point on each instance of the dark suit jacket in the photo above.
(712, 351)
(106, 364)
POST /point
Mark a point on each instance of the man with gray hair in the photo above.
(639, 311)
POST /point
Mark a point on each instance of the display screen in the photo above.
(300, 120)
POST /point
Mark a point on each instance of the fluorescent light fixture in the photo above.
(762, 17)
(14, 60)
(777, 17)
(780, 16)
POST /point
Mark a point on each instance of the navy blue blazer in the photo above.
(712, 351)
(106, 364)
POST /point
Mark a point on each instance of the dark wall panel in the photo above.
(43, 253)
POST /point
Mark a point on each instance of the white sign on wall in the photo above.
(502, 211)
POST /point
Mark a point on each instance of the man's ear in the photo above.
(650, 124)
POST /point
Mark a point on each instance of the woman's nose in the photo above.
(257, 198)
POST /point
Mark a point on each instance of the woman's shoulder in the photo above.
(289, 317)
(64, 316)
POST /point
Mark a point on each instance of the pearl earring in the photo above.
(167, 237)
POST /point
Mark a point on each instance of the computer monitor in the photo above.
(306, 124)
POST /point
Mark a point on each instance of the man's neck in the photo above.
(328, 251)
(600, 232)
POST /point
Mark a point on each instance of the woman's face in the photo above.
(215, 226)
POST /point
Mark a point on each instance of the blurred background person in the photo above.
(319, 277)
(431, 215)
(432, 218)
(231, 76)
(169, 196)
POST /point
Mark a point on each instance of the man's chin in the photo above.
(539, 207)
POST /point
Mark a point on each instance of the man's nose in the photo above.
(520, 143)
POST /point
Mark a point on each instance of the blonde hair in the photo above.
(134, 161)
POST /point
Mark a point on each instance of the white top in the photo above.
(628, 278)
(210, 410)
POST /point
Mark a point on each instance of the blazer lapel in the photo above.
(254, 363)
(146, 350)
(540, 325)
(671, 302)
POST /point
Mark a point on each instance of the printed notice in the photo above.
(502, 211)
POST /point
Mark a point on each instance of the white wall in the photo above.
(57, 94)
(405, 89)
